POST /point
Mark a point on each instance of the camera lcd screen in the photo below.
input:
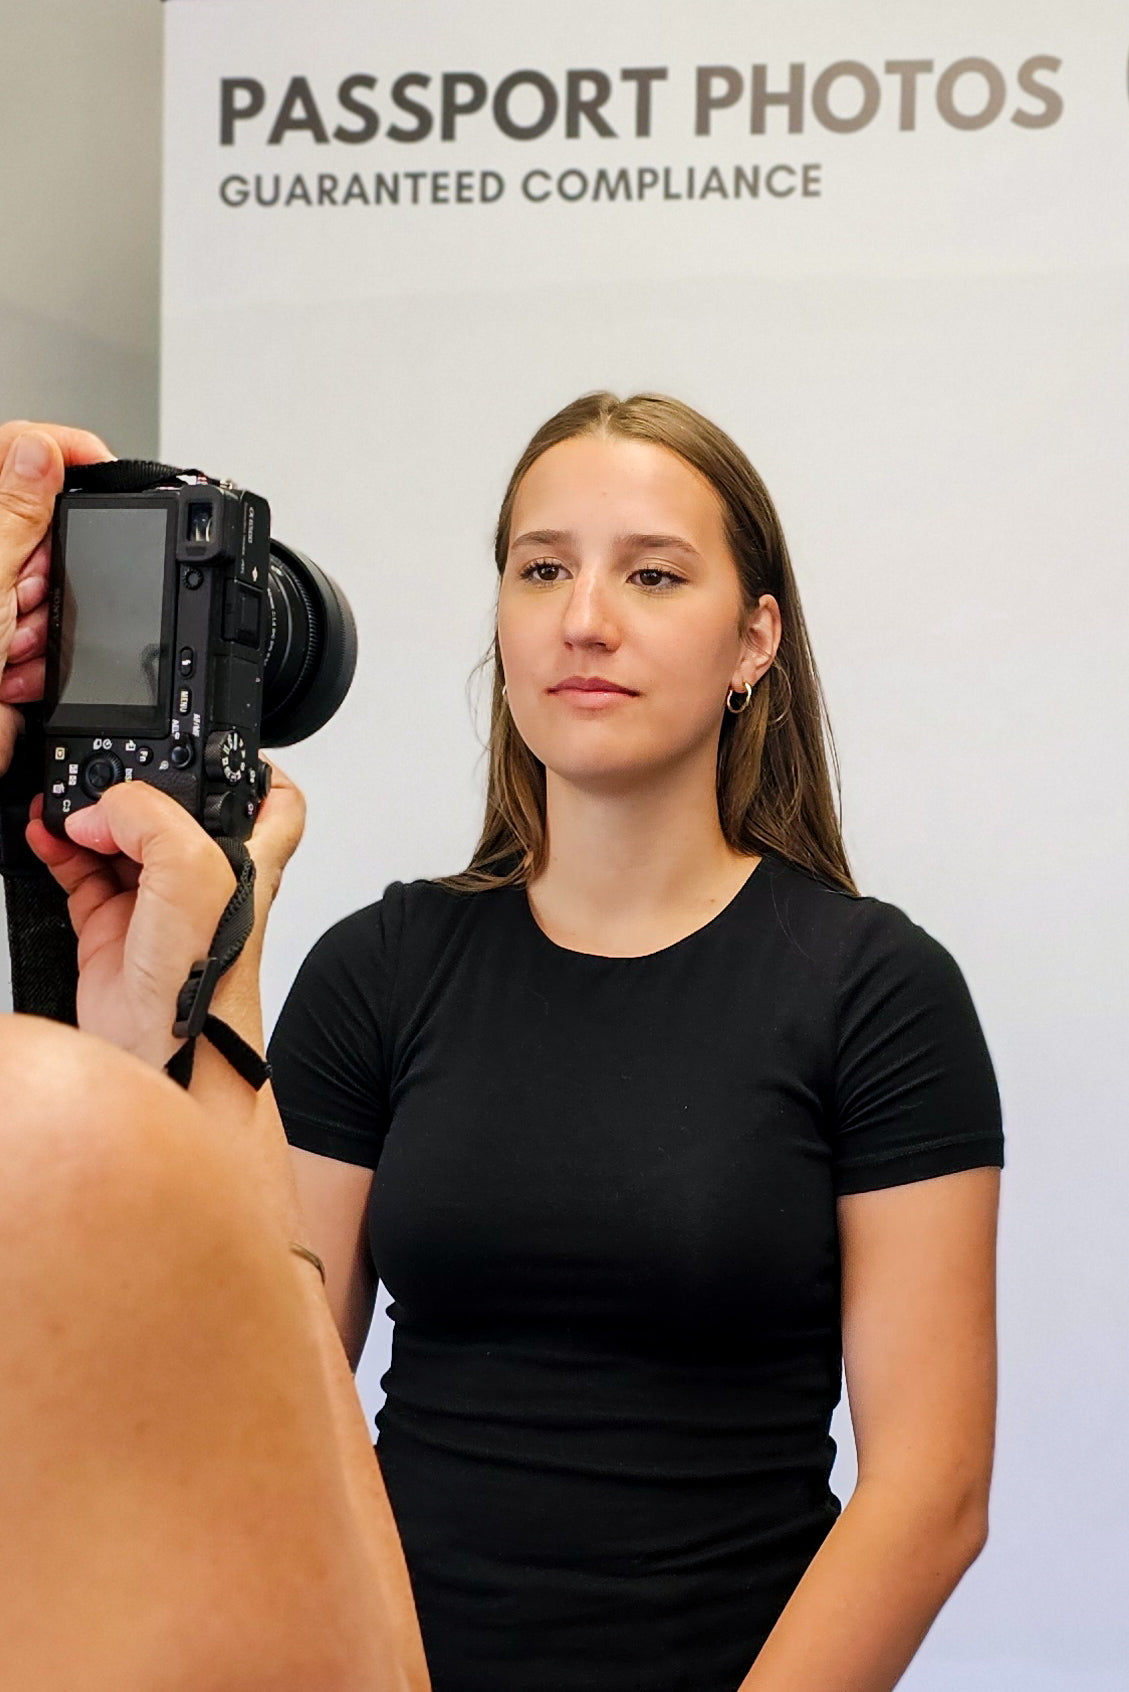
(114, 586)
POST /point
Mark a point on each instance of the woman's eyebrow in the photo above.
(660, 543)
(635, 543)
(542, 537)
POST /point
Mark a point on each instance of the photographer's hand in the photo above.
(146, 888)
(32, 459)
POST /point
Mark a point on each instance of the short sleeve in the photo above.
(328, 1050)
(915, 1092)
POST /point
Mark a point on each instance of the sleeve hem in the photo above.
(980, 1151)
(327, 1140)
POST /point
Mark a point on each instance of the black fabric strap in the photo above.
(41, 941)
(244, 1059)
(123, 475)
(193, 1017)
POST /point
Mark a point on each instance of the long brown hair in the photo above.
(774, 789)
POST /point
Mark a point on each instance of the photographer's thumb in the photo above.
(30, 477)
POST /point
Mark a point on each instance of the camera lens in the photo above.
(311, 648)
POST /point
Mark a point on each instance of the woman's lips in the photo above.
(596, 687)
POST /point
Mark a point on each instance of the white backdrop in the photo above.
(923, 348)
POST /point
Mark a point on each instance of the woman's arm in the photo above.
(334, 1197)
(919, 1346)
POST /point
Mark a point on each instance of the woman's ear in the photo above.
(759, 642)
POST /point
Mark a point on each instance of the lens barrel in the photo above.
(311, 648)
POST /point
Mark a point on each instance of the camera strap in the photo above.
(124, 476)
(193, 1017)
(41, 941)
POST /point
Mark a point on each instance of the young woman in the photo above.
(664, 1117)
(667, 1123)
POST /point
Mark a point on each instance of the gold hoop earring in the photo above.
(505, 695)
(746, 699)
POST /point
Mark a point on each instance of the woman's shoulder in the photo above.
(846, 935)
(418, 913)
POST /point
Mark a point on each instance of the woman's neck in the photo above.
(630, 872)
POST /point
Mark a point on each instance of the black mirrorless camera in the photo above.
(181, 638)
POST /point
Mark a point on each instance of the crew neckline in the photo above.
(719, 917)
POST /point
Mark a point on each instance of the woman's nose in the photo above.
(589, 618)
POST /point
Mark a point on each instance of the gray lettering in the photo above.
(550, 105)
(370, 123)
(793, 99)
(232, 111)
(608, 187)
(527, 189)
(821, 96)
(994, 105)
(643, 77)
(579, 104)
(1050, 97)
(707, 101)
(453, 107)
(298, 112)
(908, 71)
(400, 98)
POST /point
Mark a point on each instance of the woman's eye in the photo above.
(652, 577)
(541, 570)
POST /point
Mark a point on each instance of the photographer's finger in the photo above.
(36, 567)
(278, 830)
(78, 446)
(179, 859)
(30, 477)
(72, 866)
(22, 684)
(11, 725)
(30, 638)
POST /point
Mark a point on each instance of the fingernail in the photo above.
(30, 458)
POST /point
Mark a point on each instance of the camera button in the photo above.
(186, 663)
(184, 702)
(99, 773)
(144, 755)
(193, 578)
(181, 755)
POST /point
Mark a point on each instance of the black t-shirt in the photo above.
(605, 1211)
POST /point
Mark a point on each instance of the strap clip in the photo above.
(195, 997)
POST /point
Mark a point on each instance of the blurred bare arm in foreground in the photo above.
(189, 1491)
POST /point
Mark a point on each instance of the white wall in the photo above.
(928, 362)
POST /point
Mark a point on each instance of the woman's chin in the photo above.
(612, 772)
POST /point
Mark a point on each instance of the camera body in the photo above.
(159, 628)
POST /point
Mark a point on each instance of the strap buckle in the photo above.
(195, 997)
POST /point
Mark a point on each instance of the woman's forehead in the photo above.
(596, 480)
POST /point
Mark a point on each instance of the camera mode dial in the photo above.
(225, 756)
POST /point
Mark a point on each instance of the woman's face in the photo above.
(618, 572)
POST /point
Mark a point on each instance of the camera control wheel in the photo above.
(225, 756)
(99, 772)
(222, 812)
